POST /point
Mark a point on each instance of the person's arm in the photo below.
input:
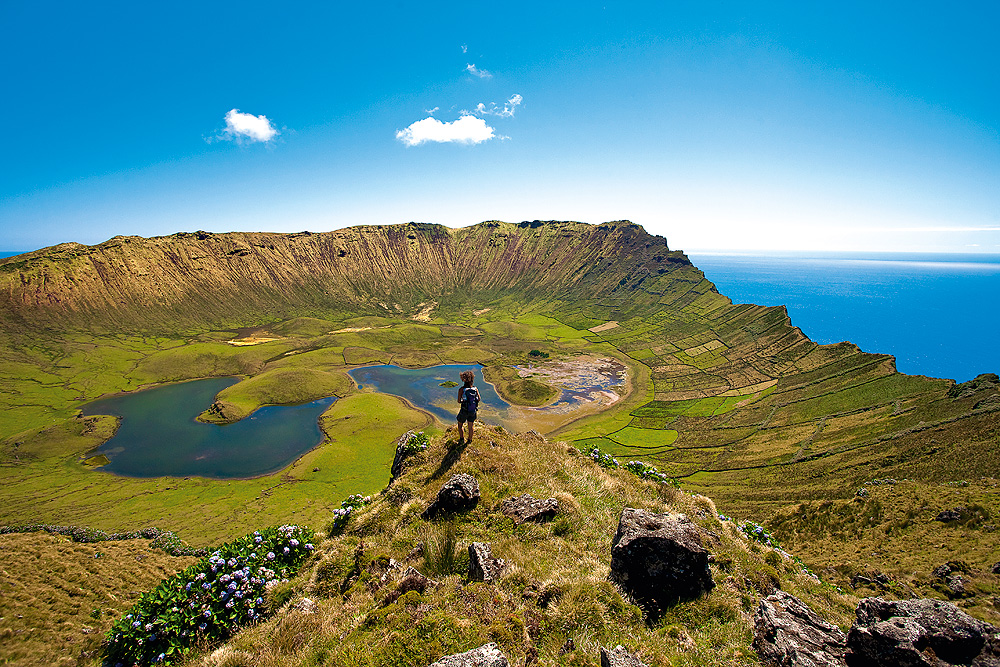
(460, 390)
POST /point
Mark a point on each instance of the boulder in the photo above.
(526, 508)
(482, 565)
(459, 494)
(659, 559)
(620, 657)
(921, 633)
(787, 633)
(488, 655)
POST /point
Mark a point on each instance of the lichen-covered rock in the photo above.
(619, 656)
(488, 655)
(659, 558)
(787, 633)
(920, 633)
(526, 508)
(459, 494)
(482, 565)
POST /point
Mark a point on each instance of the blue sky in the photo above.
(757, 126)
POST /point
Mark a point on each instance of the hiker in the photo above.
(468, 398)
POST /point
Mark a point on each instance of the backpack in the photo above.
(470, 399)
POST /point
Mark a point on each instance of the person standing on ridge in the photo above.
(468, 398)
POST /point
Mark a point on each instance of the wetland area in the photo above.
(159, 434)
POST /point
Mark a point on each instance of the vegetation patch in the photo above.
(209, 600)
(281, 386)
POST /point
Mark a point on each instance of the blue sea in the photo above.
(936, 313)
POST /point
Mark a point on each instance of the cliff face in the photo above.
(135, 283)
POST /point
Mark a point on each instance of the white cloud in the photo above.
(508, 109)
(247, 127)
(481, 73)
(430, 112)
(465, 48)
(465, 130)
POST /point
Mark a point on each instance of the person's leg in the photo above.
(461, 433)
(471, 422)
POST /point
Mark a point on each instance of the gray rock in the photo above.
(526, 508)
(787, 633)
(488, 655)
(400, 457)
(659, 559)
(942, 571)
(996, 568)
(956, 584)
(459, 494)
(620, 657)
(482, 565)
(921, 633)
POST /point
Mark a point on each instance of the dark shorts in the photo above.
(465, 416)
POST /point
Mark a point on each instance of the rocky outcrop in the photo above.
(787, 633)
(488, 655)
(920, 633)
(401, 454)
(659, 558)
(526, 508)
(482, 565)
(459, 494)
(619, 656)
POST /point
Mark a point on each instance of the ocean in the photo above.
(936, 313)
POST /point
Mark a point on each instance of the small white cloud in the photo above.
(465, 48)
(506, 111)
(465, 130)
(247, 127)
(481, 73)
(430, 112)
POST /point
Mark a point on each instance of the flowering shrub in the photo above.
(342, 515)
(757, 533)
(209, 600)
(602, 459)
(418, 442)
(646, 471)
(638, 468)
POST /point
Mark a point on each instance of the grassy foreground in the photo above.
(553, 604)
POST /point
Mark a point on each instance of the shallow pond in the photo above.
(586, 385)
(159, 437)
(422, 388)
